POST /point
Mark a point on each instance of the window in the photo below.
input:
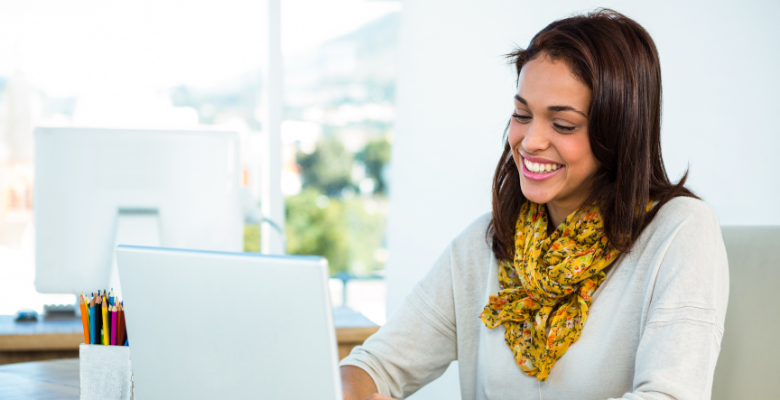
(177, 65)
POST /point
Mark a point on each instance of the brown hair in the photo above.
(616, 58)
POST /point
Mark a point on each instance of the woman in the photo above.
(599, 277)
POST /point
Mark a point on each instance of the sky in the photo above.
(75, 47)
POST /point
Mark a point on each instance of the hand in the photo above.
(375, 396)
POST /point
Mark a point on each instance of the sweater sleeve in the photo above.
(680, 340)
(417, 344)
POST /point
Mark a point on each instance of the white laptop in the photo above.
(212, 325)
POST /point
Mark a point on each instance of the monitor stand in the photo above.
(137, 227)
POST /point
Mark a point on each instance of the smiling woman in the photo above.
(595, 276)
(548, 135)
(590, 94)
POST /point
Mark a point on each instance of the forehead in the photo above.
(544, 81)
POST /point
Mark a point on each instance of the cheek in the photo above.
(516, 134)
(579, 157)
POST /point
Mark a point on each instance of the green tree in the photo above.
(375, 156)
(346, 232)
(252, 238)
(365, 218)
(317, 228)
(327, 169)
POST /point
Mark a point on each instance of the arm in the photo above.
(680, 341)
(414, 347)
(356, 383)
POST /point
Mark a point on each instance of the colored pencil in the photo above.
(124, 323)
(119, 323)
(106, 322)
(98, 321)
(120, 334)
(124, 326)
(84, 318)
(113, 325)
(92, 321)
(111, 297)
(108, 319)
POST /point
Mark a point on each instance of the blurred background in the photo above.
(392, 114)
(184, 65)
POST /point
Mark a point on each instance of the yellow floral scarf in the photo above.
(548, 286)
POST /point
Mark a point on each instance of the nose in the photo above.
(535, 139)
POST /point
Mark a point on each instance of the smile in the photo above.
(537, 171)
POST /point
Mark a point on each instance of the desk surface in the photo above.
(342, 318)
(351, 326)
(59, 379)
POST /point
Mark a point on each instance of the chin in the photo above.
(536, 194)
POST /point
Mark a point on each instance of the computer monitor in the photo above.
(97, 188)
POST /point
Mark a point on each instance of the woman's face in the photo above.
(548, 135)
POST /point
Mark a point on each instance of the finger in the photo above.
(377, 396)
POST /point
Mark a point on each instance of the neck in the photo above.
(557, 213)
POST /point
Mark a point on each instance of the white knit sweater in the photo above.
(653, 332)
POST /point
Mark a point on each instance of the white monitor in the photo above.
(97, 188)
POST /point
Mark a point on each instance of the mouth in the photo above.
(540, 171)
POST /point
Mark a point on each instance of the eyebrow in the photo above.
(553, 108)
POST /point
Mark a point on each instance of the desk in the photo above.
(57, 379)
(49, 340)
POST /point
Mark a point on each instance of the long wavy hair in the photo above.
(617, 59)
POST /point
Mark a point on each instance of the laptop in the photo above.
(210, 325)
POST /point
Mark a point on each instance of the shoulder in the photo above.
(474, 237)
(686, 209)
(684, 222)
(684, 216)
(471, 254)
(461, 270)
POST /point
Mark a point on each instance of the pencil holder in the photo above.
(105, 372)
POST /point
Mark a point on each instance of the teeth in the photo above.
(540, 168)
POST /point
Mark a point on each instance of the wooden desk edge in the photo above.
(40, 342)
(71, 341)
(355, 335)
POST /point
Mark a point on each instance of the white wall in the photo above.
(720, 63)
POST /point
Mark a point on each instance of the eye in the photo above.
(562, 128)
(523, 119)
